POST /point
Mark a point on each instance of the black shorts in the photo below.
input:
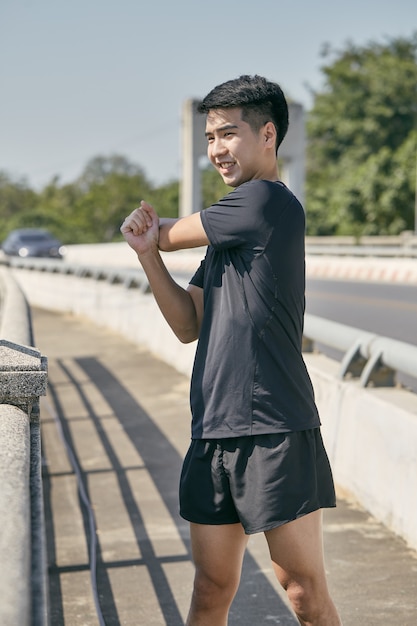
(261, 481)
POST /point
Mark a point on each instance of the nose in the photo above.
(217, 147)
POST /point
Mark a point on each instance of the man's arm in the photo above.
(182, 308)
(181, 233)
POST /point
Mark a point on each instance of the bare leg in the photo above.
(297, 555)
(218, 555)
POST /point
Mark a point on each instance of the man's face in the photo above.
(235, 150)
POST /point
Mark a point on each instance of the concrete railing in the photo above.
(23, 378)
(403, 245)
(358, 422)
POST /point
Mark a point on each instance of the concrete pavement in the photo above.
(115, 426)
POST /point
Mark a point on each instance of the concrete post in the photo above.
(194, 146)
(292, 152)
(23, 376)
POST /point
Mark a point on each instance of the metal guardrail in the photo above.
(372, 358)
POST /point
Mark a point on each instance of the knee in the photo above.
(312, 603)
(305, 600)
(209, 592)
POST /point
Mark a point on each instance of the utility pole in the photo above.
(415, 203)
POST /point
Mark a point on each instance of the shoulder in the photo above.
(264, 197)
(262, 191)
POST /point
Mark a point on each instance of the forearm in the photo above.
(165, 226)
(175, 303)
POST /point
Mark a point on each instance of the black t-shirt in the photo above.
(249, 376)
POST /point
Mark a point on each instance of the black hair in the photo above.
(260, 100)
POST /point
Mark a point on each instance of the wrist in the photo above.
(150, 253)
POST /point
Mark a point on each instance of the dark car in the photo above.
(29, 242)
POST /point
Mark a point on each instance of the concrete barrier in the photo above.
(370, 434)
(15, 517)
(371, 437)
(23, 578)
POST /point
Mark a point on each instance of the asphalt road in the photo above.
(386, 309)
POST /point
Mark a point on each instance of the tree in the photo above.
(165, 199)
(361, 158)
(99, 168)
(15, 197)
(108, 190)
(212, 186)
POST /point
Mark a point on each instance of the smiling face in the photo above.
(237, 151)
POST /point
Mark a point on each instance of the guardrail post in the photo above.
(377, 373)
(353, 362)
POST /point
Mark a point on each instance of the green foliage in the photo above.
(166, 199)
(361, 160)
(212, 187)
(15, 197)
(91, 209)
(107, 191)
(88, 210)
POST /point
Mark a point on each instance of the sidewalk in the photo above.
(125, 416)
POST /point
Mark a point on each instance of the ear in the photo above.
(269, 134)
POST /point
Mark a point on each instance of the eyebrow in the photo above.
(217, 130)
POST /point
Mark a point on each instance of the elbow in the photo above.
(186, 335)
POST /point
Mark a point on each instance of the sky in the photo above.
(83, 78)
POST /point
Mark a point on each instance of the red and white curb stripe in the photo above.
(367, 269)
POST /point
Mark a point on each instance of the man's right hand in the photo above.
(141, 229)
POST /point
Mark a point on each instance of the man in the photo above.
(256, 462)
